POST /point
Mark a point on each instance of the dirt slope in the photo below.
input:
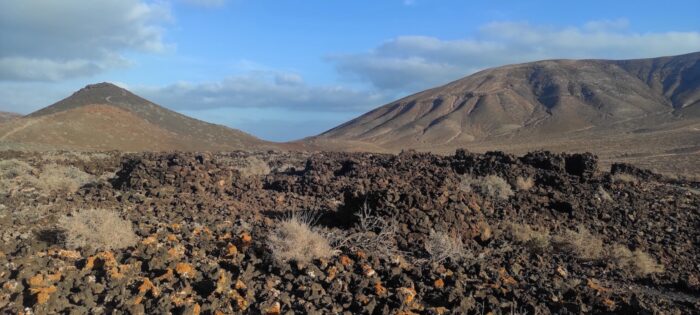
(106, 117)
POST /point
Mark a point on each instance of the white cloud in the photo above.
(261, 89)
(44, 40)
(410, 63)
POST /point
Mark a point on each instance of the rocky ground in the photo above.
(410, 234)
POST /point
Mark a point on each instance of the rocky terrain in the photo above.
(412, 233)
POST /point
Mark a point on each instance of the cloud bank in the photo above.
(412, 63)
(263, 89)
(48, 40)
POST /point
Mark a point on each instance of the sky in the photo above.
(287, 69)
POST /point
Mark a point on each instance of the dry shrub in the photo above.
(15, 174)
(374, 234)
(253, 167)
(97, 229)
(624, 178)
(602, 194)
(61, 178)
(441, 246)
(13, 168)
(491, 185)
(524, 183)
(537, 239)
(294, 239)
(636, 262)
(580, 243)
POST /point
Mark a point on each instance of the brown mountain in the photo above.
(106, 117)
(606, 106)
(5, 116)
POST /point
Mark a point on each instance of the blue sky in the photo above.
(283, 70)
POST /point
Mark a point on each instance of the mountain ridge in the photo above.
(104, 116)
(557, 96)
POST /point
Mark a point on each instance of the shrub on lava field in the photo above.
(636, 262)
(581, 243)
(15, 174)
(624, 178)
(372, 234)
(536, 239)
(603, 195)
(441, 246)
(491, 186)
(294, 239)
(62, 178)
(97, 229)
(523, 183)
(254, 166)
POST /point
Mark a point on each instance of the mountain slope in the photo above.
(540, 99)
(5, 116)
(106, 117)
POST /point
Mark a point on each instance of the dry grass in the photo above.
(524, 183)
(294, 239)
(97, 229)
(441, 246)
(253, 167)
(61, 178)
(580, 243)
(636, 262)
(491, 185)
(624, 178)
(16, 175)
(536, 239)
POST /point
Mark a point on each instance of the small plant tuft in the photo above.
(536, 239)
(580, 243)
(491, 186)
(524, 183)
(441, 246)
(97, 229)
(294, 239)
(636, 262)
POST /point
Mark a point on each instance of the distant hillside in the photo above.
(106, 117)
(5, 116)
(644, 107)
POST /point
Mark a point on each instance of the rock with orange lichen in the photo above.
(231, 250)
(42, 294)
(176, 252)
(379, 289)
(345, 260)
(246, 239)
(168, 275)
(222, 282)
(185, 270)
(273, 309)
(149, 240)
(505, 278)
(148, 286)
(593, 284)
(240, 302)
(439, 283)
(406, 295)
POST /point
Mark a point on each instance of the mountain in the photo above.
(597, 105)
(5, 116)
(106, 117)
